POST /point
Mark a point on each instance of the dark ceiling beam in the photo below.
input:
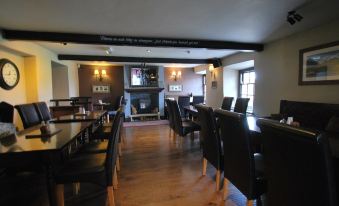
(215, 62)
(127, 41)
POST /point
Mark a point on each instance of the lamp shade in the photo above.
(96, 72)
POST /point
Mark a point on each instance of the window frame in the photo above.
(241, 72)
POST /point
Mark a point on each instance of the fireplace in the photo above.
(144, 103)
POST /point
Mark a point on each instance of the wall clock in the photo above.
(9, 74)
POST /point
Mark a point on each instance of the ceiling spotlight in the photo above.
(148, 51)
(298, 17)
(293, 17)
(290, 20)
(109, 50)
(64, 43)
(188, 51)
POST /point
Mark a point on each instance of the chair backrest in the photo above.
(238, 155)
(183, 101)
(43, 111)
(210, 135)
(197, 100)
(227, 103)
(241, 105)
(170, 113)
(111, 152)
(28, 114)
(6, 112)
(298, 163)
(176, 117)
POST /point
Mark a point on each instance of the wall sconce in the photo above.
(176, 75)
(211, 69)
(100, 76)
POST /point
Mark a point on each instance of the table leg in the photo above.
(50, 185)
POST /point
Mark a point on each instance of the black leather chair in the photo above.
(6, 112)
(28, 114)
(197, 100)
(227, 103)
(298, 166)
(119, 103)
(241, 105)
(212, 150)
(43, 111)
(183, 101)
(182, 128)
(242, 167)
(170, 115)
(95, 168)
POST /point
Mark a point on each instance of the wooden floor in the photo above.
(156, 170)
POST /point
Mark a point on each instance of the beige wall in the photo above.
(231, 83)
(277, 71)
(34, 63)
(190, 81)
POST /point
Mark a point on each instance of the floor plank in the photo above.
(157, 169)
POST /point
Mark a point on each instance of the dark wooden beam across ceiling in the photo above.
(215, 62)
(127, 41)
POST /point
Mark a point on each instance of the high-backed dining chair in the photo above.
(95, 168)
(241, 164)
(6, 112)
(119, 103)
(211, 147)
(197, 100)
(299, 168)
(170, 114)
(183, 101)
(43, 111)
(241, 105)
(28, 114)
(182, 128)
(227, 103)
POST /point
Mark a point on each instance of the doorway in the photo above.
(60, 81)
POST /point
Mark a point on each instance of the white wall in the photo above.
(277, 70)
(34, 63)
(231, 83)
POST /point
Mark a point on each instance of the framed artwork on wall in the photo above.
(101, 89)
(319, 65)
(175, 88)
(214, 84)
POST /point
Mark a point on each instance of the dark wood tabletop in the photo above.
(91, 116)
(23, 142)
(251, 120)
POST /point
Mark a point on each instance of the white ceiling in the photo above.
(257, 21)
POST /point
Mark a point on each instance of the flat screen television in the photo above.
(144, 77)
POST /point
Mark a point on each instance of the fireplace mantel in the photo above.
(144, 89)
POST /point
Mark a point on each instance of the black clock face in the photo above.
(9, 74)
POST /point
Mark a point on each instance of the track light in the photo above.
(293, 17)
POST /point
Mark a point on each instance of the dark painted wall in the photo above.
(190, 81)
(114, 78)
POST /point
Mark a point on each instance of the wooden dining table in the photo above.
(32, 146)
(251, 120)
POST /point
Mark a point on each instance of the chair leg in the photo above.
(118, 164)
(217, 180)
(59, 195)
(115, 179)
(110, 196)
(204, 166)
(76, 188)
(119, 148)
(225, 189)
(249, 203)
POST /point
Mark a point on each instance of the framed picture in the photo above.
(214, 84)
(101, 89)
(319, 64)
(175, 88)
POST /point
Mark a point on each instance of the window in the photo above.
(246, 86)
